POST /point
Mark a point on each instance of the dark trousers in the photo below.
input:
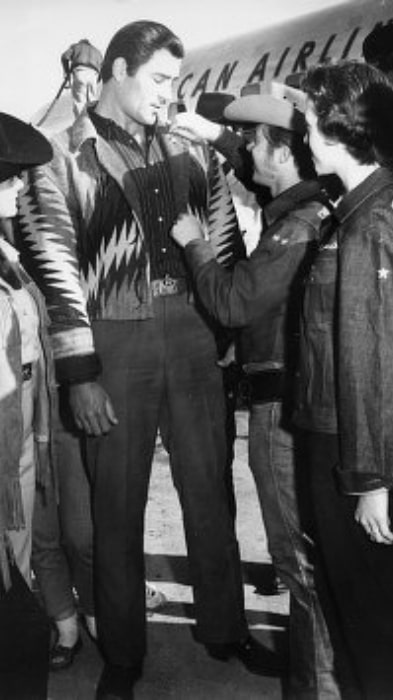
(161, 373)
(355, 581)
(277, 462)
(24, 643)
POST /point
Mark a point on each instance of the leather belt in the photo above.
(265, 387)
(167, 286)
(27, 370)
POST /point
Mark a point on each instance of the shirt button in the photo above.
(156, 190)
(160, 219)
(163, 250)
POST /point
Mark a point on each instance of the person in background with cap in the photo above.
(27, 404)
(262, 296)
(81, 64)
(345, 398)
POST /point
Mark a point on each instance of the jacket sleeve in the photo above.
(365, 354)
(234, 149)
(223, 229)
(257, 286)
(48, 227)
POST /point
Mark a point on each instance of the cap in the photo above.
(83, 53)
(211, 105)
(266, 109)
(21, 146)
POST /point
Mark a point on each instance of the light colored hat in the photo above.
(277, 109)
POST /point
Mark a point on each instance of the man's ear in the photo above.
(119, 69)
(284, 153)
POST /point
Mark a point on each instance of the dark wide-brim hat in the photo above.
(211, 105)
(21, 146)
(378, 45)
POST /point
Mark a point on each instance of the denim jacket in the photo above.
(346, 371)
(261, 295)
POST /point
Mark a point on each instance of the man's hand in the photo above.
(372, 514)
(194, 127)
(187, 228)
(92, 408)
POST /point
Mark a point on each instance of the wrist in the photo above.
(217, 132)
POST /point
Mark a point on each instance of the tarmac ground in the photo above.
(176, 667)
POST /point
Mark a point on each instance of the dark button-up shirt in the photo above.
(151, 177)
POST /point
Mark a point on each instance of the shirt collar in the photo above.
(111, 131)
(90, 125)
(366, 189)
(286, 201)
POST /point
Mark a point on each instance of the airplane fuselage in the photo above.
(273, 53)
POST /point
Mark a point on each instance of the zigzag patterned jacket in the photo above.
(88, 265)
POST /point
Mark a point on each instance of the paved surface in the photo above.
(177, 668)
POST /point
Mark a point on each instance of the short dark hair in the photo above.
(277, 136)
(136, 43)
(353, 102)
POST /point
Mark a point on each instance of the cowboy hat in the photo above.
(266, 109)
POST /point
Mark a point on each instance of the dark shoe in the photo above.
(117, 683)
(255, 657)
(61, 657)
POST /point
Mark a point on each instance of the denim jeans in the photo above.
(62, 556)
(275, 455)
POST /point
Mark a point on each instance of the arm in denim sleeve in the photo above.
(222, 224)
(258, 286)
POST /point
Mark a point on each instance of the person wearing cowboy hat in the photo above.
(27, 391)
(261, 296)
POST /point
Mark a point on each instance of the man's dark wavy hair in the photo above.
(136, 43)
(353, 102)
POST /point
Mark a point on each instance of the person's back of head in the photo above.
(136, 43)
(353, 102)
